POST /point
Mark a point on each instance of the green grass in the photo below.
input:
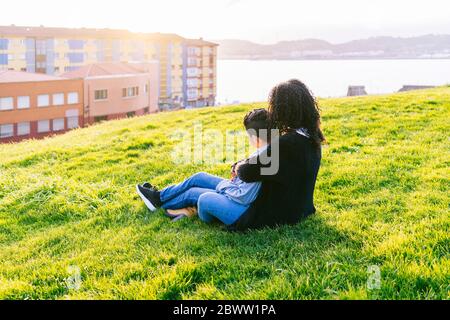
(382, 199)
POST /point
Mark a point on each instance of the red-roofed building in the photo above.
(118, 90)
(37, 105)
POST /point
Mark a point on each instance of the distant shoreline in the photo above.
(426, 47)
(331, 59)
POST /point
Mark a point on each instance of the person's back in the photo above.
(287, 194)
(307, 160)
(286, 197)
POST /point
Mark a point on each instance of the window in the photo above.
(41, 47)
(6, 103)
(192, 94)
(58, 99)
(146, 110)
(23, 102)
(192, 51)
(72, 122)
(58, 124)
(6, 130)
(101, 94)
(43, 100)
(192, 61)
(146, 88)
(75, 57)
(192, 83)
(133, 91)
(76, 44)
(23, 128)
(3, 58)
(72, 98)
(193, 72)
(130, 92)
(43, 126)
(4, 44)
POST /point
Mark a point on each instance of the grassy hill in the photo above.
(382, 200)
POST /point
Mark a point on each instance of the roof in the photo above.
(77, 33)
(103, 69)
(11, 76)
(200, 42)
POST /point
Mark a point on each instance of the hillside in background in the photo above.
(68, 203)
(428, 46)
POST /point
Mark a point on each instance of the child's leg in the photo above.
(186, 199)
(199, 180)
(214, 205)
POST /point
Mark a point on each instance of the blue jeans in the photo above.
(200, 191)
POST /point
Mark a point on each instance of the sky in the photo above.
(261, 21)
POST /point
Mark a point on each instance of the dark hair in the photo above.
(257, 120)
(292, 106)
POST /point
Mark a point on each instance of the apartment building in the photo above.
(37, 105)
(200, 85)
(54, 51)
(118, 90)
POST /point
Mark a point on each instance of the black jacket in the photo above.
(287, 196)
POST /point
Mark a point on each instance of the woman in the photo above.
(286, 195)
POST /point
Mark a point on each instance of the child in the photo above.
(235, 189)
(179, 200)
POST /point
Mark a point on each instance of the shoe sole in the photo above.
(147, 202)
(170, 215)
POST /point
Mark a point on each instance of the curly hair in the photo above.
(292, 106)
